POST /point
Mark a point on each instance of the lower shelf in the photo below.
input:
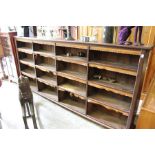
(107, 117)
(72, 101)
(45, 79)
(49, 94)
(74, 89)
(28, 72)
(74, 75)
(96, 117)
(46, 67)
(47, 91)
(74, 105)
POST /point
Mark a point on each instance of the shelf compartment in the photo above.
(26, 59)
(109, 100)
(109, 118)
(72, 45)
(24, 47)
(71, 101)
(74, 71)
(45, 63)
(73, 59)
(27, 70)
(47, 91)
(73, 55)
(48, 78)
(44, 50)
(72, 86)
(122, 63)
(116, 50)
(116, 82)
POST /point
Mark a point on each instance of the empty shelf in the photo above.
(74, 89)
(49, 94)
(46, 67)
(116, 67)
(47, 80)
(27, 62)
(109, 101)
(74, 105)
(73, 59)
(75, 75)
(45, 53)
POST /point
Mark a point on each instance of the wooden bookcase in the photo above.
(101, 82)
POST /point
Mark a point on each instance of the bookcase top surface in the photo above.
(85, 43)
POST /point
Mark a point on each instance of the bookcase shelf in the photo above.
(72, 101)
(108, 117)
(27, 70)
(48, 78)
(72, 71)
(45, 63)
(24, 47)
(73, 59)
(113, 81)
(73, 55)
(101, 82)
(110, 100)
(26, 58)
(72, 86)
(47, 91)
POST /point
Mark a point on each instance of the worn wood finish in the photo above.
(137, 91)
(109, 99)
(112, 68)
(80, 46)
(80, 90)
(72, 70)
(113, 50)
(26, 59)
(147, 114)
(65, 73)
(108, 117)
(72, 101)
(48, 91)
(73, 59)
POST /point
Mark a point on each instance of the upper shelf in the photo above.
(27, 61)
(129, 69)
(73, 59)
(93, 44)
(45, 53)
(114, 66)
(25, 50)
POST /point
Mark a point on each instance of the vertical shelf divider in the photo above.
(56, 71)
(34, 66)
(137, 91)
(86, 106)
(34, 59)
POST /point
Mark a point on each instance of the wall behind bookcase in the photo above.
(147, 36)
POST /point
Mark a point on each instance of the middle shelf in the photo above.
(109, 100)
(72, 71)
(45, 63)
(72, 86)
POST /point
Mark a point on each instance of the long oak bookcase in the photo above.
(101, 82)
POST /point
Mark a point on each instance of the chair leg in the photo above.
(34, 122)
(33, 114)
(28, 109)
(25, 122)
